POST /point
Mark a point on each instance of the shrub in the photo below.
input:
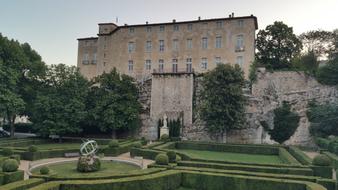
(88, 164)
(44, 170)
(144, 141)
(164, 137)
(321, 160)
(178, 158)
(10, 165)
(171, 156)
(7, 151)
(113, 144)
(32, 148)
(137, 145)
(16, 157)
(285, 123)
(162, 159)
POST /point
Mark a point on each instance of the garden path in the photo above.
(25, 164)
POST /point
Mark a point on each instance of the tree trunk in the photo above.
(113, 134)
(11, 121)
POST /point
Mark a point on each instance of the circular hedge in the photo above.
(321, 160)
(113, 144)
(7, 151)
(10, 165)
(88, 164)
(162, 159)
(44, 170)
(164, 137)
(171, 155)
(137, 145)
(32, 148)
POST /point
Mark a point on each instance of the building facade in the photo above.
(176, 47)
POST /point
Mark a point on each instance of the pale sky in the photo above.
(51, 27)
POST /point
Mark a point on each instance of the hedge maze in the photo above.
(182, 165)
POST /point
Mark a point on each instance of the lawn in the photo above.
(232, 157)
(107, 168)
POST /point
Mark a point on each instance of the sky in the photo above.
(51, 27)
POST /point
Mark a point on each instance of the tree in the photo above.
(320, 42)
(277, 45)
(60, 106)
(307, 62)
(285, 123)
(12, 63)
(113, 103)
(328, 74)
(222, 99)
(323, 118)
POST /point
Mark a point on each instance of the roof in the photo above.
(89, 38)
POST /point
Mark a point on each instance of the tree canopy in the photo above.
(277, 45)
(320, 42)
(113, 103)
(222, 99)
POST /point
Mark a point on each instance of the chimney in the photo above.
(147, 22)
(199, 18)
(125, 24)
(229, 16)
(232, 15)
(174, 20)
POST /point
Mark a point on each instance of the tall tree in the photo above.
(60, 106)
(222, 99)
(12, 64)
(328, 74)
(277, 45)
(113, 103)
(320, 42)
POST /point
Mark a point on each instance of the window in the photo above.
(149, 29)
(104, 64)
(189, 27)
(219, 24)
(160, 65)
(148, 64)
(161, 45)
(94, 58)
(204, 43)
(85, 60)
(162, 28)
(240, 23)
(189, 43)
(131, 47)
(218, 60)
(148, 46)
(204, 64)
(104, 55)
(174, 65)
(176, 27)
(240, 43)
(175, 44)
(130, 65)
(189, 63)
(131, 30)
(218, 42)
(239, 61)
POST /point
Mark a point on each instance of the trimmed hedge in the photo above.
(247, 149)
(300, 155)
(9, 177)
(286, 157)
(323, 143)
(22, 185)
(41, 154)
(333, 158)
(322, 171)
(122, 148)
(145, 153)
(265, 169)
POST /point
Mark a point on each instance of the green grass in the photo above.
(107, 168)
(232, 157)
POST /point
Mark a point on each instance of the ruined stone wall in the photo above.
(175, 94)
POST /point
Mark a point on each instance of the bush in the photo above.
(328, 73)
(164, 137)
(7, 151)
(144, 141)
(162, 159)
(113, 144)
(321, 160)
(171, 156)
(137, 145)
(16, 157)
(10, 165)
(32, 148)
(178, 158)
(44, 170)
(88, 164)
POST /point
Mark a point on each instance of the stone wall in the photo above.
(174, 94)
